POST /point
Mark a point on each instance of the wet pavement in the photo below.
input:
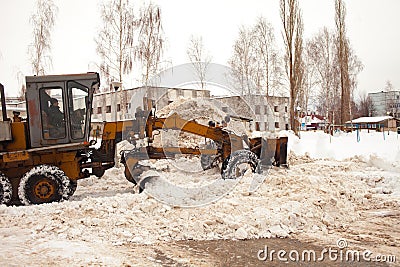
(257, 252)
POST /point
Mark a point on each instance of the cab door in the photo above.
(47, 120)
(79, 111)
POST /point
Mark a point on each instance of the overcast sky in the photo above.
(372, 28)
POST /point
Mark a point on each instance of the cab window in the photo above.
(52, 113)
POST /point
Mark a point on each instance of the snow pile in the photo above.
(187, 185)
(202, 111)
(189, 109)
(175, 138)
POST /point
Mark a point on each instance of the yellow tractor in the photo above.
(43, 156)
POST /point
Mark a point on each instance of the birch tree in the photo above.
(150, 41)
(199, 58)
(268, 72)
(255, 62)
(43, 20)
(115, 40)
(322, 53)
(241, 62)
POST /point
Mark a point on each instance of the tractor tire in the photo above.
(231, 164)
(44, 184)
(5, 189)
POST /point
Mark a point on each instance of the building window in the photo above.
(286, 109)
(257, 109)
(118, 107)
(276, 109)
(180, 92)
(194, 94)
(108, 109)
(98, 110)
(276, 124)
(287, 127)
(257, 126)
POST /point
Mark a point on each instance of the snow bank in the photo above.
(345, 145)
(377, 149)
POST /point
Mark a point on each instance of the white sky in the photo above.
(372, 28)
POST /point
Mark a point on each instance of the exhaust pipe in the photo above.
(3, 103)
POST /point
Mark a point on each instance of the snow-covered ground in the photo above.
(381, 145)
(378, 149)
(329, 185)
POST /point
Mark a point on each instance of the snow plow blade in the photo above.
(271, 151)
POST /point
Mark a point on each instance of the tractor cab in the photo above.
(59, 108)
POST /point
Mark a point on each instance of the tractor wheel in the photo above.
(238, 163)
(44, 184)
(5, 189)
(208, 161)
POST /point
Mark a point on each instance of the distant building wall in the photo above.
(127, 101)
(385, 103)
(268, 114)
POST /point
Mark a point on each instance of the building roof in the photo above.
(385, 92)
(370, 119)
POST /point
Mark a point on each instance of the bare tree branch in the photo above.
(268, 74)
(199, 58)
(242, 61)
(115, 39)
(43, 21)
(151, 40)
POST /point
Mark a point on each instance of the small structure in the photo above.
(374, 123)
(312, 122)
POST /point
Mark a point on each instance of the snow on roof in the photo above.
(370, 119)
(15, 109)
(316, 120)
